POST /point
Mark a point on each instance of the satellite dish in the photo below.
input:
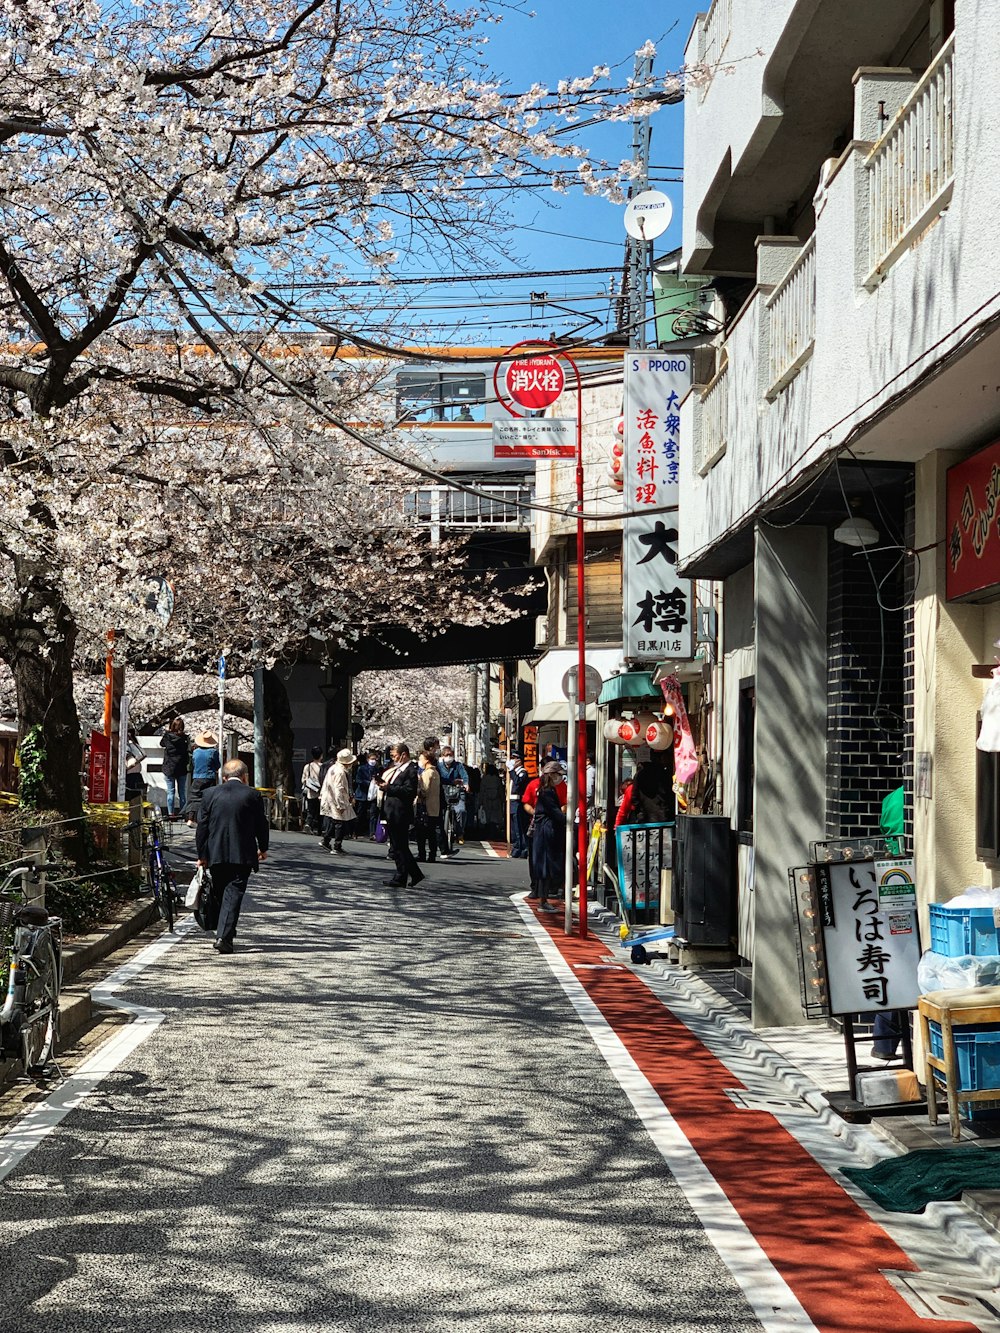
(648, 215)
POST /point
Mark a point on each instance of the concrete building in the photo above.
(841, 189)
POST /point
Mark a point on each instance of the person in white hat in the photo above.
(335, 800)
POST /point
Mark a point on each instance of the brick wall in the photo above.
(867, 747)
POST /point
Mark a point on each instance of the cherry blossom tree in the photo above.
(409, 705)
(169, 170)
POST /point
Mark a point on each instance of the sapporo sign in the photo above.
(657, 602)
(972, 527)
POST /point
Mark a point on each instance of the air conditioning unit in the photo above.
(541, 631)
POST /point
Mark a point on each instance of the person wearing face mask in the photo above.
(454, 785)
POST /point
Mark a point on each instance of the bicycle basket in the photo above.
(453, 793)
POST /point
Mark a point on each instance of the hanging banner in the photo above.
(658, 616)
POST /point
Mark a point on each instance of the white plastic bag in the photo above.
(989, 731)
(196, 888)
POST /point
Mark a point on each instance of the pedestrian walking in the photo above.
(176, 756)
(135, 782)
(335, 801)
(363, 774)
(548, 838)
(517, 779)
(399, 788)
(205, 765)
(231, 840)
(474, 784)
(311, 787)
(427, 811)
(491, 801)
(529, 802)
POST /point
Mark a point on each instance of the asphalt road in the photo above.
(380, 1113)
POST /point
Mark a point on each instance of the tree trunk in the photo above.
(278, 735)
(38, 642)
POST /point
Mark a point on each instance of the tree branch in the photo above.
(194, 703)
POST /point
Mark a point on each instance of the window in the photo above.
(745, 758)
(440, 395)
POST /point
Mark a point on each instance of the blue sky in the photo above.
(566, 38)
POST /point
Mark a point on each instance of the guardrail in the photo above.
(912, 167)
(791, 311)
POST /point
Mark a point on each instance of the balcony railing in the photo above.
(443, 507)
(792, 317)
(912, 167)
(714, 432)
(714, 39)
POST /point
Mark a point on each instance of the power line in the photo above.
(351, 431)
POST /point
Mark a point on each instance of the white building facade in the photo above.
(841, 187)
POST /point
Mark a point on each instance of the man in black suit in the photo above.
(399, 785)
(231, 840)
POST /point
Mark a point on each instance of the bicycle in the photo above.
(160, 876)
(31, 948)
(451, 824)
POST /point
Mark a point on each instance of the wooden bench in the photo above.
(952, 1009)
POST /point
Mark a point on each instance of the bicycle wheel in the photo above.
(159, 882)
(41, 1008)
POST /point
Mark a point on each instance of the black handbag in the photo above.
(209, 905)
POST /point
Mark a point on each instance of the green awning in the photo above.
(628, 685)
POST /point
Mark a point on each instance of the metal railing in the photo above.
(443, 507)
(791, 311)
(714, 432)
(912, 167)
(715, 35)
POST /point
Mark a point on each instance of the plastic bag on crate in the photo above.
(936, 971)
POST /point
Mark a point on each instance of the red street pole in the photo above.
(109, 666)
(581, 628)
(581, 670)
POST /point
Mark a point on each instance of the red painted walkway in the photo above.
(825, 1247)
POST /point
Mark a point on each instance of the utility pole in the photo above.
(638, 253)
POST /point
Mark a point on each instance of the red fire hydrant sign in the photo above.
(535, 381)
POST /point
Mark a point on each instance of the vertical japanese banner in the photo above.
(657, 611)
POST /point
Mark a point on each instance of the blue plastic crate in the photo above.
(957, 931)
(977, 1054)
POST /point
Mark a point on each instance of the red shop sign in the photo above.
(99, 769)
(972, 527)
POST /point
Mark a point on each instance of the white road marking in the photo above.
(39, 1122)
(767, 1293)
(491, 851)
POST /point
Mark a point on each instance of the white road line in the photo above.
(767, 1293)
(491, 851)
(32, 1128)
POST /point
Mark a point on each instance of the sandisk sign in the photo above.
(535, 381)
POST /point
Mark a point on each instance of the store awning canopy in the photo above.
(554, 712)
(628, 685)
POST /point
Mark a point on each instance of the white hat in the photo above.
(346, 757)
